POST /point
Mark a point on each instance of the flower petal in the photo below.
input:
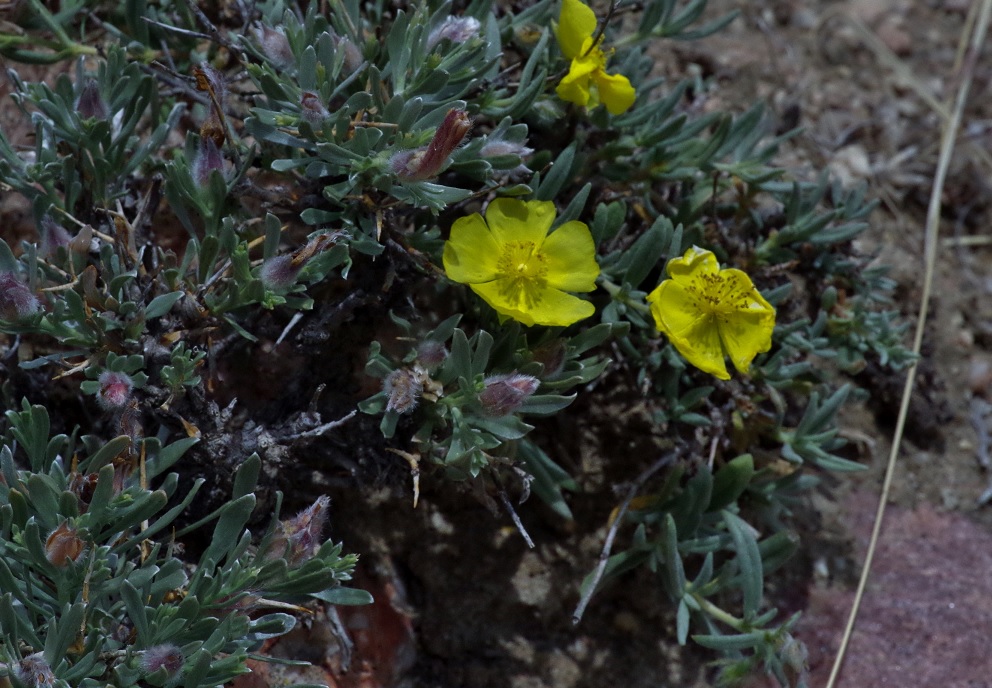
(695, 261)
(693, 332)
(576, 23)
(570, 255)
(615, 91)
(510, 219)
(471, 255)
(747, 331)
(533, 305)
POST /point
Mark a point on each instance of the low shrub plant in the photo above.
(525, 212)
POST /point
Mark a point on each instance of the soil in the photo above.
(462, 600)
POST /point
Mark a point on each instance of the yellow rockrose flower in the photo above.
(511, 261)
(587, 82)
(709, 313)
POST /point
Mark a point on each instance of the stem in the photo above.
(620, 294)
(719, 614)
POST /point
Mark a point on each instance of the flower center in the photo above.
(521, 260)
(524, 270)
(720, 294)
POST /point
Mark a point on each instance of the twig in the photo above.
(948, 137)
(611, 535)
(321, 429)
(214, 32)
(516, 518)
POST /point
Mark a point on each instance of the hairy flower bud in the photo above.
(115, 390)
(168, 657)
(33, 671)
(552, 356)
(90, 104)
(504, 394)
(431, 354)
(53, 236)
(274, 45)
(426, 162)
(63, 545)
(280, 272)
(208, 159)
(403, 388)
(496, 147)
(16, 300)
(455, 29)
(302, 534)
(352, 55)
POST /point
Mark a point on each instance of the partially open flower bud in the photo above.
(115, 390)
(455, 29)
(16, 300)
(403, 388)
(63, 545)
(168, 657)
(274, 45)
(208, 159)
(423, 163)
(504, 394)
(90, 103)
(313, 110)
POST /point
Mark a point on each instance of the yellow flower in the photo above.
(587, 83)
(709, 313)
(511, 261)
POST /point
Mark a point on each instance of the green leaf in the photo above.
(730, 482)
(682, 622)
(344, 596)
(731, 643)
(748, 563)
(161, 305)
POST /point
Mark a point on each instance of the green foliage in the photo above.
(360, 117)
(92, 579)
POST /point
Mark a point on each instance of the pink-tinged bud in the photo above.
(53, 236)
(552, 356)
(16, 300)
(313, 110)
(278, 272)
(431, 354)
(455, 29)
(274, 45)
(115, 390)
(423, 163)
(63, 545)
(403, 388)
(302, 534)
(33, 671)
(352, 55)
(168, 657)
(208, 159)
(504, 394)
(90, 104)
